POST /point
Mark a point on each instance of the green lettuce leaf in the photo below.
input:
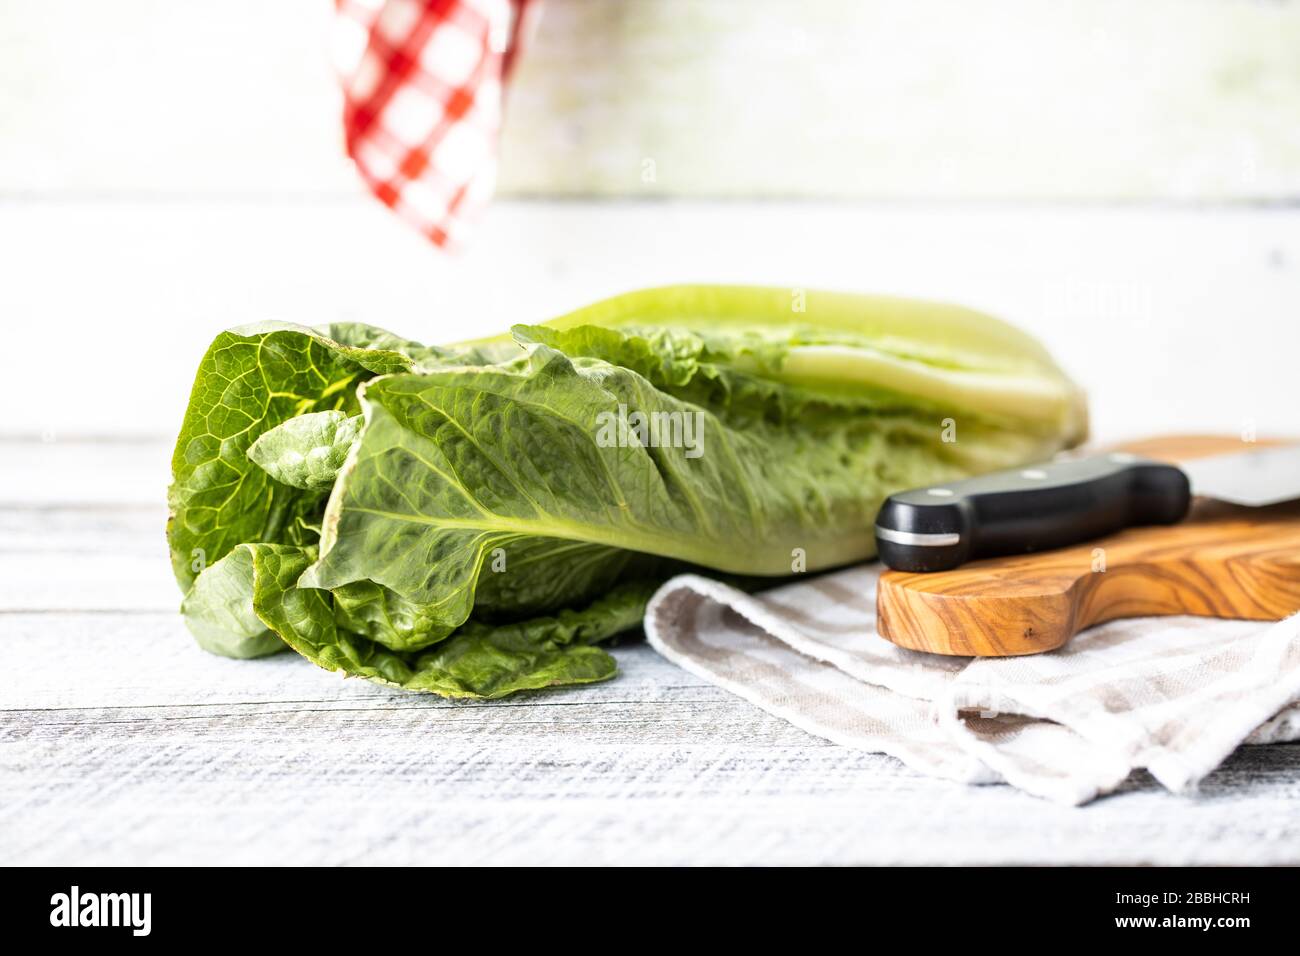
(249, 382)
(307, 452)
(219, 612)
(484, 661)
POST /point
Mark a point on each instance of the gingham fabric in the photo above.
(1174, 695)
(422, 87)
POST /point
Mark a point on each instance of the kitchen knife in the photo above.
(1069, 500)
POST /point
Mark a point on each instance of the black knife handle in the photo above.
(1027, 509)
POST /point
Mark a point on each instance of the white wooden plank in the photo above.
(1174, 320)
(85, 558)
(53, 469)
(628, 773)
(123, 582)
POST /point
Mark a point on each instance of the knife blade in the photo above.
(1069, 500)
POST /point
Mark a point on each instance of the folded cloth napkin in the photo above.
(422, 87)
(1175, 695)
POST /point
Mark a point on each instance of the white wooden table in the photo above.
(210, 196)
(121, 742)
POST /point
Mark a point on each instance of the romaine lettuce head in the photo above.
(472, 520)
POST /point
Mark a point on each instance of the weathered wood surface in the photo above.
(121, 742)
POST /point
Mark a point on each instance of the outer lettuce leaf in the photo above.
(483, 662)
(249, 382)
(219, 612)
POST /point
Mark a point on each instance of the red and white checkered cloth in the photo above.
(422, 86)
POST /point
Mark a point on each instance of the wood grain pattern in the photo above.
(1223, 561)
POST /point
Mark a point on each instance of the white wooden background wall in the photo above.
(167, 170)
(1101, 99)
(1004, 99)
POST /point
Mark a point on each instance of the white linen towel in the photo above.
(1175, 695)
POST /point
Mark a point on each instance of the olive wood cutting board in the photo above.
(1222, 561)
